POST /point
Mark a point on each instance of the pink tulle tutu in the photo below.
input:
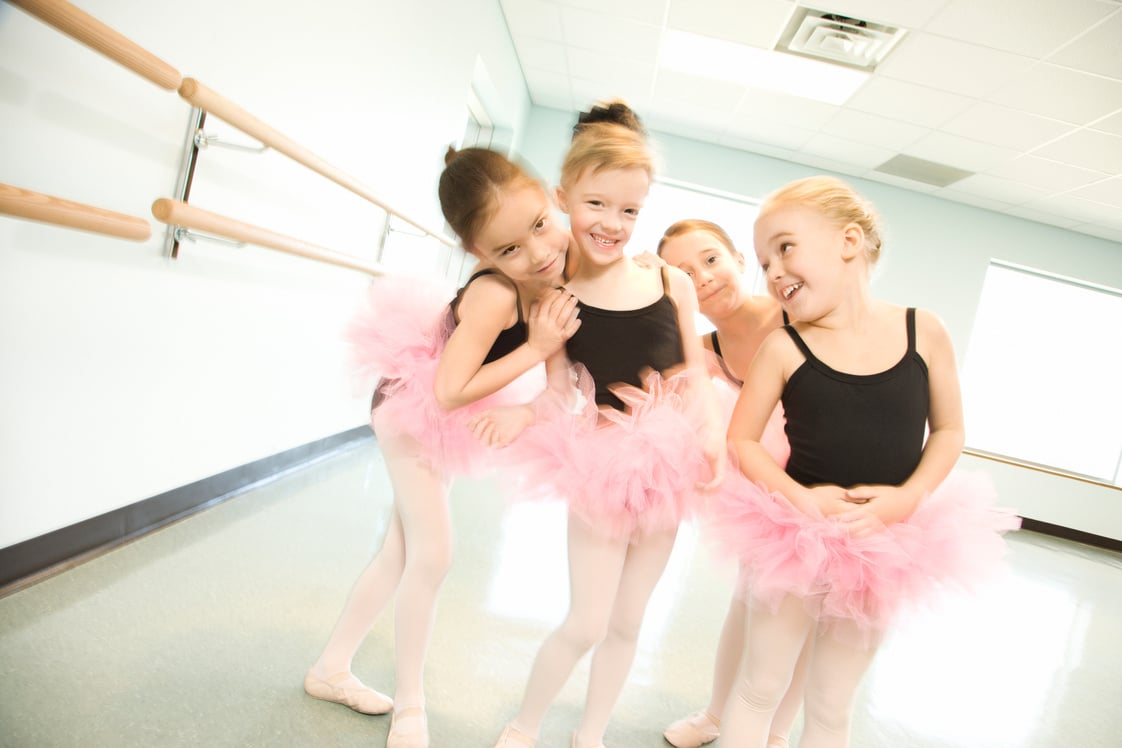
(396, 340)
(953, 540)
(622, 472)
(774, 438)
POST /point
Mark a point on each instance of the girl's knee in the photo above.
(582, 634)
(828, 708)
(433, 562)
(761, 692)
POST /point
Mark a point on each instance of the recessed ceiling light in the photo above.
(758, 68)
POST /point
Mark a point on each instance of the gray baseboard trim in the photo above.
(1047, 528)
(25, 563)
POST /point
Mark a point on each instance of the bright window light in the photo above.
(757, 68)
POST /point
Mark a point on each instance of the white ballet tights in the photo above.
(610, 583)
(730, 651)
(837, 660)
(415, 556)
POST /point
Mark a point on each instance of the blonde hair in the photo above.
(609, 136)
(690, 225)
(838, 202)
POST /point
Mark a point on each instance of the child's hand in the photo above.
(860, 520)
(648, 260)
(829, 499)
(552, 321)
(716, 454)
(498, 427)
(890, 504)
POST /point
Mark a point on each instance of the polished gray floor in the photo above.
(199, 635)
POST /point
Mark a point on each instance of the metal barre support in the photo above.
(36, 206)
(79, 25)
(176, 213)
(203, 140)
(204, 98)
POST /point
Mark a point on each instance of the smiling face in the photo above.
(713, 266)
(602, 207)
(805, 255)
(523, 239)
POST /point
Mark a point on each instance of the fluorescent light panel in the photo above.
(757, 68)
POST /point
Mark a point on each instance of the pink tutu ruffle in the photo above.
(953, 540)
(774, 438)
(396, 340)
(622, 472)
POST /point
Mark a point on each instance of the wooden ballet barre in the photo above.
(83, 27)
(176, 213)
(204, 98)
(36, 206)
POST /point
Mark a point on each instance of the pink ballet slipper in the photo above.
(512, 737)
(344, 688)
(409, 728)
(693, 731)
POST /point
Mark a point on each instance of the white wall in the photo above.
(936, 255)
(126, 373)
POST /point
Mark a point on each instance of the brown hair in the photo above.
(837, 201)
(470, 186)
(690, 225)
(608, 136)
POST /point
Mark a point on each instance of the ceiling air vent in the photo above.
(838, 39)
(921, 170)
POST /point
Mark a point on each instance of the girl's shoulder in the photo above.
(488, 293)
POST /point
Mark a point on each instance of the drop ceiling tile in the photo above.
(847, 152)
(996, 188)
(863, 127)
(694, 91)
(1111, 124)
(1097, 51)
(896, 181)
(775, 134)
(636, 94)
(758, 24)
(899, 100)
(615, 71)
(546, 85)
(998, 125)
(553, 99)
(908, 14)
(542, 54)
(826, 163)
(1060, 93)
(646, 11)
(1074, 208)
(796, 110)
(666, 117)
(960, 152)
(1090, 149)
(1040, 216)
(1045, 174)
(978, 201)
(952, 65)
(607, 34)
(533, 18)
(1107, 191)
(751, 146)
(1015, 26)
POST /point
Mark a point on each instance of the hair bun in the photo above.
(614, 112)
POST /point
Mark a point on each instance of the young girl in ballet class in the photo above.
(441, 365)
(630, 463)
(867, 516)
(705, 252)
